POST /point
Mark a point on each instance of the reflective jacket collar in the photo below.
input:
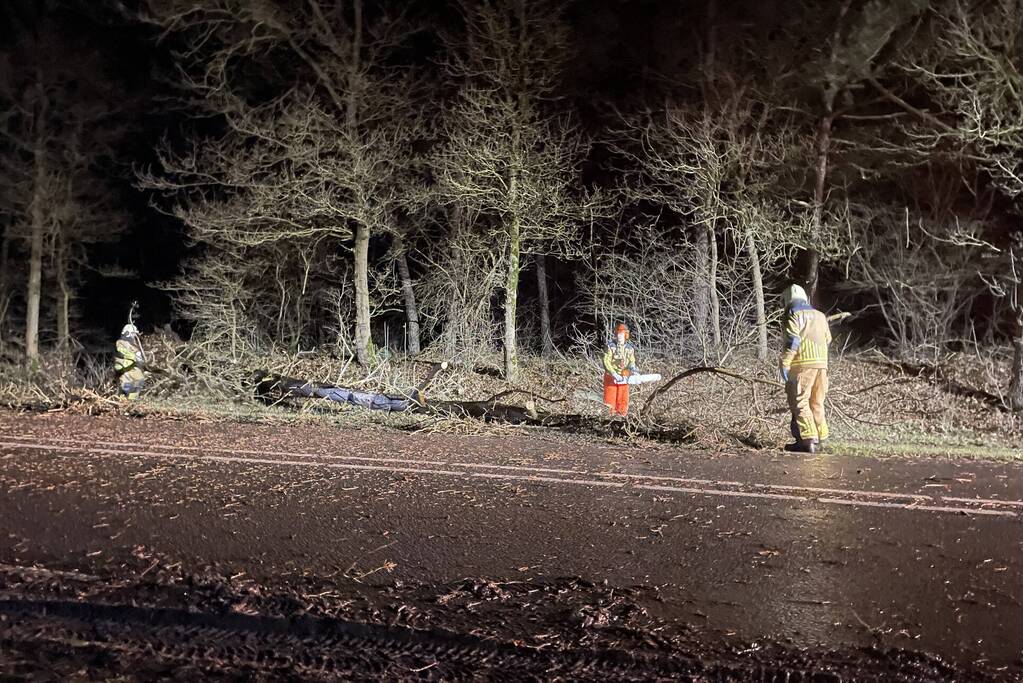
(800, 305)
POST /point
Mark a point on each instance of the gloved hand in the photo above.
(618, 378)
(634, 370)
(784, 374)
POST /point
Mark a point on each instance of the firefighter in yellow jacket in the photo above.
(804, 369)
(130, 362)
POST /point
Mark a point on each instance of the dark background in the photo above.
(622, 49)
(626, 53)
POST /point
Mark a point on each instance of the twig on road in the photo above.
(386, 566)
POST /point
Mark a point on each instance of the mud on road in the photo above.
(146, 549)
(67, 626)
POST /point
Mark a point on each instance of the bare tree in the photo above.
(508, 161)
(651, 280)
(29, 181)
(546, 338)
(719, 169)
(408, 295)
(464, 273)
(1015, 277)
(859, 38)
(922, 282)
(5, 280)
(58, 125)
(317, 162)
(972, 65)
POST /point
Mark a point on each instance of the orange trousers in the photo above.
(616, 396)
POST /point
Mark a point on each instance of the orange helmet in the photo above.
(622, 327)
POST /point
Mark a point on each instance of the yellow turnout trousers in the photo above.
(806, 391)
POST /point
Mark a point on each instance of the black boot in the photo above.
(809, 446)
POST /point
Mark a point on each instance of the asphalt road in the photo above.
(754, 548)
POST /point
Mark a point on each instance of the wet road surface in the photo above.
(751, 549)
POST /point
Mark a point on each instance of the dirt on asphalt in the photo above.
(157, 549)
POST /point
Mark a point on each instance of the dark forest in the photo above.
(513, 340)
(512, 177)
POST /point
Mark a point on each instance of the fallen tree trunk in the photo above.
(726, 372)
(488, 411)
(700, 369)
(272, 388)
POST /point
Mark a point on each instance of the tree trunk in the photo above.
(409, 295)
(546, 339)
(35, 288)
(758, 291)
(363, 338)
(823, 144)
(511, 286)
(710, 55)
(1016, 382)
(821, 169)
(511, 297)
(712, 287)
(5, 297)
(710, 96)
(701, 307)
(35, 259)
(809, 262)
(452, 318)
(64, 320)
(454, 310)
(363, 341)
(63, 299)
(356, 65)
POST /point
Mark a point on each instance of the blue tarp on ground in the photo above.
(363, 399)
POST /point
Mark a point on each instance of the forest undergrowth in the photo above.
(878, 405)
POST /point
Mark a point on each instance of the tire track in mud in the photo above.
(325, 649)
(635, 481)
(309, 645)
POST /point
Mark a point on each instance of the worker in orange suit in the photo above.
(619, 363)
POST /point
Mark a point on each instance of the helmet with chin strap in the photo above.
(129, 330)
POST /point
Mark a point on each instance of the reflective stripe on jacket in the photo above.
(619, 360)
(807, 336)
(128, 355)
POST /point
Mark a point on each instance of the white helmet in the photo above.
(794, 293)
(129, 330)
